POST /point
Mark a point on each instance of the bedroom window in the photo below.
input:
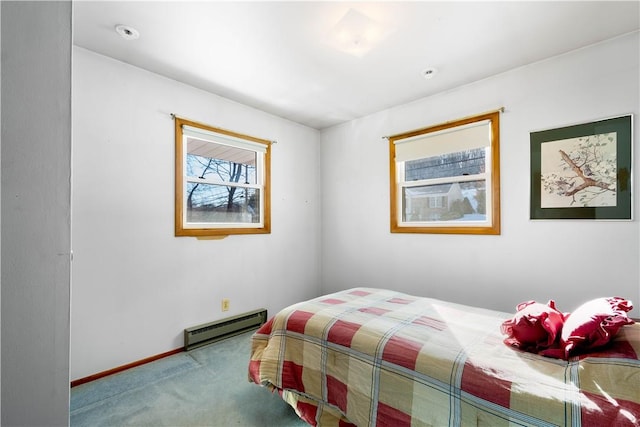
(222, 182)
(445, 178)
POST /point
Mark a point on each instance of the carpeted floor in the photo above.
(207, 386)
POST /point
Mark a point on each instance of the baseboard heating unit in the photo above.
(207, 333)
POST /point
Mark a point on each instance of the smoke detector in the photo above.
(127, 32)
(428, 73)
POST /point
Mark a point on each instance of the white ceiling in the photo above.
(278, 56)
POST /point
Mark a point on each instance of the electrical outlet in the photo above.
(225, 304)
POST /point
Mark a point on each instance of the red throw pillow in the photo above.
(592, 325)
(534, 327)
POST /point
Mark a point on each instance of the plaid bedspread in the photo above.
(371, 357)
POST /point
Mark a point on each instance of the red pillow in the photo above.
(593, 324)
(534, 327)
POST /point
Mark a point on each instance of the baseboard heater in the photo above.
(207, 333)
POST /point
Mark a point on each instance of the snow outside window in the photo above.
(446, 178)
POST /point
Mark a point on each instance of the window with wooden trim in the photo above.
(446, 178)
(222, 181)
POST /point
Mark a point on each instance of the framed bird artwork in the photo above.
(582, 171)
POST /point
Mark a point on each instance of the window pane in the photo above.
(208, 203)
(222, 181)
(456, 201)
(469, 162)
(216, 161)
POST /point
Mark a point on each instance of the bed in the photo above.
(374, 357)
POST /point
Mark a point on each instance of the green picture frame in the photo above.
(583, 171)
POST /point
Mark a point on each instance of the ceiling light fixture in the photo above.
(357, 34)
(127, 32)
(429, 73)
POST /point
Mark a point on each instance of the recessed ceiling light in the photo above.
(127, 32)
(428, 73)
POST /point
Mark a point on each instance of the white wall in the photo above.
(36, 209)
(136, 286)
(569, 261)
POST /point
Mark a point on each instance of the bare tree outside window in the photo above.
(219, 203)
(222, 182)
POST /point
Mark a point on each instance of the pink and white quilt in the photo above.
(372, 357)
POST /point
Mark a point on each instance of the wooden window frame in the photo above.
(218, 229)
(445, 227)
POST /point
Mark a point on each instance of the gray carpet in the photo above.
(207, 386)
